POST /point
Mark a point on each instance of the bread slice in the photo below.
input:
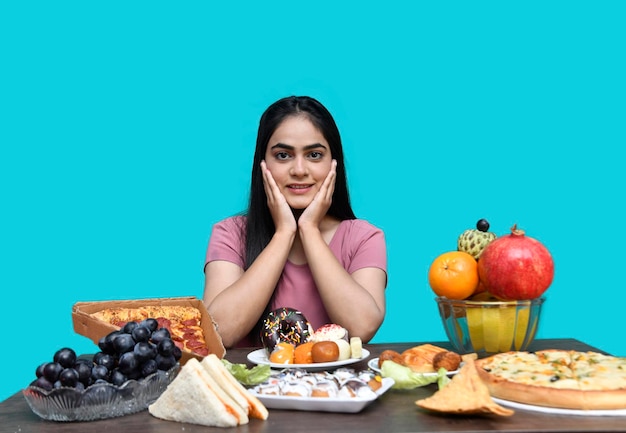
(420, 358)
(253, 406)
(195, 397)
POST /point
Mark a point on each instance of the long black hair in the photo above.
(260, 225)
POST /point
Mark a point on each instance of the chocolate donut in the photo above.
(284, 325)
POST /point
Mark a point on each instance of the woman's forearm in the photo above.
(236, 301)
(357, 301)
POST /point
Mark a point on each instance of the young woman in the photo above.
(299, 244)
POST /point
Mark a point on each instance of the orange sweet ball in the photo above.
(283, 353)
(303, 354)
(325, 351)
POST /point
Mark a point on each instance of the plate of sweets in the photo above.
(343, 390)
(259, 356)
(289, 342)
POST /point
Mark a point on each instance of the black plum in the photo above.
(128, 363)
(159, 335)
(43, 383)
(141, 334)
(109, 361)
(99, 372)
(123, 343)
(177, 352)
(96, 358)
(152, 324)
(482, 225)
(118, 378)
(149, 367)
(106, 343)
(128, 328)
(66, 357)
(144, 351)
(83, 369)
(52, 370)
(165, 362)
(68, 377)
(39, 370)
(133, 352)
(166, 347)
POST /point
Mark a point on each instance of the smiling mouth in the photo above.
(299, 186)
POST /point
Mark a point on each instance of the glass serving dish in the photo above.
(99, 401)
(489, 327)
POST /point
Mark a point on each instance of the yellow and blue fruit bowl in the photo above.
(489, 327)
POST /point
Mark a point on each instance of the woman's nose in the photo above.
(298, 167)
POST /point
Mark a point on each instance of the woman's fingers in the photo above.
(278, 206)
(329, 182)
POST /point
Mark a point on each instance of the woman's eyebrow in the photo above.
(307, 147)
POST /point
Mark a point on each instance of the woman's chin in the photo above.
(299, 205)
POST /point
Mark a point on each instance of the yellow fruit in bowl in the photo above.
(499, 328)
(454, 275)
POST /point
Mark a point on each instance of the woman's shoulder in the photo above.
(238, 221)
(358, 226)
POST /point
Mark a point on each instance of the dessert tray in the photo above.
(323, 404)
(98, 401)
(259, 356)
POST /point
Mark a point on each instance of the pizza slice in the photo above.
(182, 322)
(557, 378)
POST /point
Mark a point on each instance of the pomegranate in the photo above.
(516, 266)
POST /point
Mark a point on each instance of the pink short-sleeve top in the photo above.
(357, 244)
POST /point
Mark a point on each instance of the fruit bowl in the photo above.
(489, 327)
(99, 401)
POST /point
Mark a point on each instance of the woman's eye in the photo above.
(316, 155)
(281, 156)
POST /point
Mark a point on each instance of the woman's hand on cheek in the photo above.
(315, 212)
(279, 208)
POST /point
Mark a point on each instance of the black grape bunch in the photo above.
(136, 351)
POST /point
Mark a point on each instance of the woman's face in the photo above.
(299, 158)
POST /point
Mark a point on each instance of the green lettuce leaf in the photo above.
(405, 378)
(248, 376)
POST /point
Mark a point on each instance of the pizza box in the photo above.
(86, 325)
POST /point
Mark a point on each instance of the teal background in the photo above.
(127, 129)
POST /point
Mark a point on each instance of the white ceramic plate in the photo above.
(557, 410)
(260, 357)
(323, 404)
(373, 364)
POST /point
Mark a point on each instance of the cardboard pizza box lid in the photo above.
(88, 326)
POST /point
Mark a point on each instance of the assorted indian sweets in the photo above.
(288, 338)
(343, 383)
(144, 345)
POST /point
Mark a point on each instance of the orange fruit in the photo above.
(302, 354)
(282, 353)
(454, 275)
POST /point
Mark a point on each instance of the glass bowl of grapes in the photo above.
(132, 369)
